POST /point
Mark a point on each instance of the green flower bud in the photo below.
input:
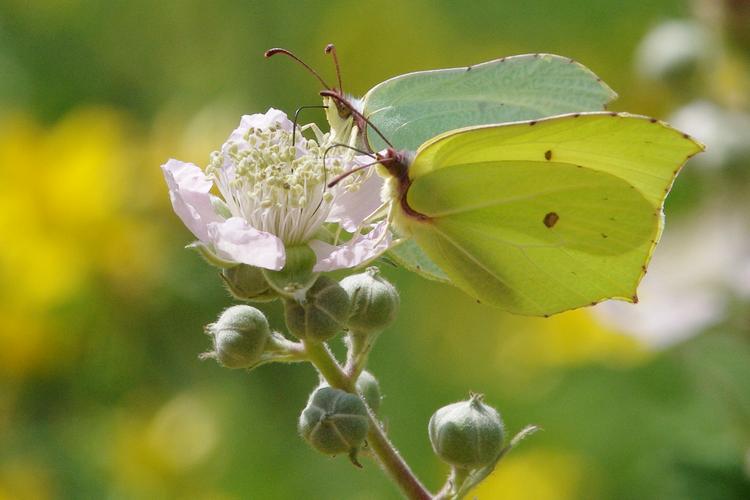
(321, 314)
(248, 283)
(297, 274)
(334, 421)
(240, 336)
(374, 301)
(468, 434)
(368, 386)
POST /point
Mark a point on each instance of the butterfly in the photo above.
(534, 215)
(409, 109)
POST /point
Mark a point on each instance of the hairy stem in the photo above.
(395, 466)
(359, 351)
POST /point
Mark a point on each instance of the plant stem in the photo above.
(359, 350)
(456, 478)
(387, 455)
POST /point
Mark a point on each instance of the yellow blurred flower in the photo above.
(535, 475)
(24, 479)
(160, 453)
(71, 209)
(515, 349)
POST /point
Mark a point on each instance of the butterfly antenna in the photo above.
(348, 105)
(274, 51)
(296, 117)
(331, 49)
(356, 169)
(342, 145)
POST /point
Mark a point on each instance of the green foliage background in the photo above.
(102, 394)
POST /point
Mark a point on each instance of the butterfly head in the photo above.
(336, 112)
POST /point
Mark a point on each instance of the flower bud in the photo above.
(248, 283)
(321, 314)
(468, 434)
(297, 274)
(334, 421)
(374, 301)
(240, 336)
(368, 386)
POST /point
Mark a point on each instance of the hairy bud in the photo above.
(374, 301)
(321, 314)
(334, 421)
(468, 434)
(240, 336)
(368, 386)
(248, 283)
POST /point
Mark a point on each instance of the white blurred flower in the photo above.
(275, 194)
(673, 50)
(726, 133)
(699, 264)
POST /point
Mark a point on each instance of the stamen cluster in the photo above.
(279, 185)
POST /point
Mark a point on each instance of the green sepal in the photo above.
(297, 274)
(209, 256)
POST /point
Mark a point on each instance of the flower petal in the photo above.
(189, 191)
(262, 121)
(352, 253)
(350, 208)
(237, 240)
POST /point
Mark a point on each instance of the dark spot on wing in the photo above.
(548, 154)
(551, 219)
(604, 236)
(635, 299)
(532, 122)
(653, 120)
(468, 68)
(576, 115)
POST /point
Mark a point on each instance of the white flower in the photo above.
(274, 194)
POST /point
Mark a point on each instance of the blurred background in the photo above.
(102, 394)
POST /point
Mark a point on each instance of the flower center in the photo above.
(277, 187)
